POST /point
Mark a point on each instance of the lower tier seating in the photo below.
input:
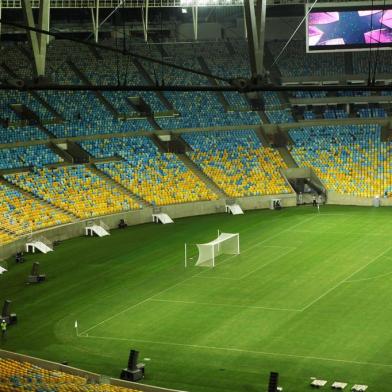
(21, 214)
(349, 159)
(159, 178)
(24, 376)
(6, 238)
(75, 189)
(237, 163)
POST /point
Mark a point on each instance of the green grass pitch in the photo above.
(309, 296)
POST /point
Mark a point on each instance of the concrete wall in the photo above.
(336, 198)
(93, 378)
(77, 229)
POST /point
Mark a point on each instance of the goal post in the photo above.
(225, 243)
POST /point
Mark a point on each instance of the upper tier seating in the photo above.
(111, 68)
(372, 112)
(158, 178)
(198, 109)
(296, 62)
(18, 376)
(237, 162)
(21, 214)
(335, 113)
(279, 116)
(104, 126)
(19, 134)
(75, 189)
(37, 155)
(349, 159)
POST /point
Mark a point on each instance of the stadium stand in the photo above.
(349, 159)
(24, 376)
(99, 127)
(279, 116)
(6, 238)
(36, 155)
(296, 62)
(372, 112)
(156, 177)
(237, 162)
(20, 134)
(75, 189)
(22, 214)
(335, 113)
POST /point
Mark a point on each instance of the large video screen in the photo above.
(348, 29)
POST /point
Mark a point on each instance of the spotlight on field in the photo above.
(10, 318)
(35, 276)
(184, 11)
(134, 371)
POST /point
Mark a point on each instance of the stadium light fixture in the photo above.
(184, 11)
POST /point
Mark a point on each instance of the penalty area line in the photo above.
(225, 305)
(239, 350)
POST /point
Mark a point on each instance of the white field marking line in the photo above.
(345, 279)
(223, 305)
(232, 349)
(365, 279)
(372, 278)
(266, 264)
(343, 233)
(185, 280)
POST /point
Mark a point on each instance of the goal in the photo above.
(225, 243)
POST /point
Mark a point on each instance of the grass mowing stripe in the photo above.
(266, 353)
(187, 279)
(345, 279)
(227, 305)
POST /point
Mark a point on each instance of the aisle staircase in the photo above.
(111, 181)
(203, 177)
(30, 195)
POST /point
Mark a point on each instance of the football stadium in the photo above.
(195, 195)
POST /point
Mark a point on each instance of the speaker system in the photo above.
(273, 382)
(132, 361)
(131, 375)
(6, 308)
(135, 371)
(35, 276)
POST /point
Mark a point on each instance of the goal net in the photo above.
(225, 243)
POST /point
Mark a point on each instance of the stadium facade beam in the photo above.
(38, 41)
(255, 14)
(95, 20)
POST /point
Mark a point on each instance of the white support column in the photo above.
(38, 41)
(145, 19)
(255, 26)
(95, 20)
(0, 17)
(195, 19)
